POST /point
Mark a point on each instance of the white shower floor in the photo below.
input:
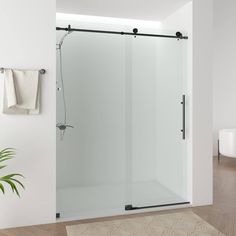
(94, 201)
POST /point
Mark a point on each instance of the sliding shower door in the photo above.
(124, 149)
(156, 160)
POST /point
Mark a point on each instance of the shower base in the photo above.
(107, 200)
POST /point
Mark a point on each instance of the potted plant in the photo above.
(11, 179)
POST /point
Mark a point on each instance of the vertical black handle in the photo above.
(183, 116)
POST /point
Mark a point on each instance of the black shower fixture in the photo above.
(179, 35)
(135, 30)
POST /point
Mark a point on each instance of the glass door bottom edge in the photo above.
(131, 207)
(120, 212)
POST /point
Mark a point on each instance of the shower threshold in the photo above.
(108, 200)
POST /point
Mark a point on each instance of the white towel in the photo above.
(21, 95)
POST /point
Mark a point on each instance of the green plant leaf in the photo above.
(11, 180)
(11, 175)
(5, 159)
(12, 185)
(17, 181)
(2, 188)
(7, 152)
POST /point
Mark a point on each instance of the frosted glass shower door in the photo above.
(157, 163)
(91, 157)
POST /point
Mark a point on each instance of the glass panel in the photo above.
(91, 157)
(157, 158)
(122, 97)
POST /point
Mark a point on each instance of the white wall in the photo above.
(28, 41)
(224, 67)
(133, 9)
(202, 102)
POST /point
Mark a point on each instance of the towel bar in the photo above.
(41, 71)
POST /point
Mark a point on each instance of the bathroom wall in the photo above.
(155, 9)
(224, 67)
(202, 102)
(28, 41)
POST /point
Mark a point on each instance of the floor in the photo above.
(101, 200)
(222, 215)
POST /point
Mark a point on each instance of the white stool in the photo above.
(227, 143)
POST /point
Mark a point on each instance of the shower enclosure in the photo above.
(125, 98)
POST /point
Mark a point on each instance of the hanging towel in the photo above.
(21, 95)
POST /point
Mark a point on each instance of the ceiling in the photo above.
(155, 10)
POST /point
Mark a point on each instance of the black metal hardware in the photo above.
(62, 126)
(179, 35)
(218, 150)
(58, 215)
(131, 208)
(41, 71)
(183, 130)
(128, 207)
(135, 30)
(134, 33)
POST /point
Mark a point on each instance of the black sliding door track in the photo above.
(130, 207)
(135, 33)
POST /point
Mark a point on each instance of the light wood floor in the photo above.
(222, 214)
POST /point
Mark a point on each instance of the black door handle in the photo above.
(183, 117)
